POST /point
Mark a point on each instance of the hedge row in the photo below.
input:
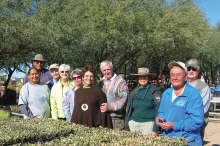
(56, 132)
(17, 130)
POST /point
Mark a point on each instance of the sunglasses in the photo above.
(41, 62)
(76, 78)
(64, 71)
(191, 68)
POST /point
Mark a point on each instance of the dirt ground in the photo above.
(212, 134)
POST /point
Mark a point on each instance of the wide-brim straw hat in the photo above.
(38, 57)
(143, 71)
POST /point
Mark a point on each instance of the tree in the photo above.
(130, 33)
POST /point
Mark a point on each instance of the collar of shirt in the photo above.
(54, 81)
(113, 77)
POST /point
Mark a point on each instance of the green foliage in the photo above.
(4, 114)
(130, 33)
(57, 132)
(96, 136)
(15, 130)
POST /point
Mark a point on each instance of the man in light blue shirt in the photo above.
(193, 69)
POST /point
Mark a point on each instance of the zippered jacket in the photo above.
(186, 112)
(56, 99)
(156, 94)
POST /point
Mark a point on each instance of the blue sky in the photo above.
(210, 7)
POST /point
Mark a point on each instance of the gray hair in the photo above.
(104, 63)
(75, 71)
(175, 66)
(63, 67)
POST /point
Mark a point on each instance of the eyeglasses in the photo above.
(64, 71)
(54, 71)
(191, 68)
(41, 62)
(76, 78)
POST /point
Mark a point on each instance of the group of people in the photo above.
(73, 96)
(181, 111)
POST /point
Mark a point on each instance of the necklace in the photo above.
(84, 106)
(144, 93)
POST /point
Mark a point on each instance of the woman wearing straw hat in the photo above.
(143, 104)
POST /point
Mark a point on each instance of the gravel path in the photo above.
(212, 134)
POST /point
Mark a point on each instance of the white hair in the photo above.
(63, 67)
(106, 62)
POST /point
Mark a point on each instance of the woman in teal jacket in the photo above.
(142, 105)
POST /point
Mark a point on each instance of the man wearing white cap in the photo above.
(55, 74)
(39, 62)
(193, 69)
(181, 111)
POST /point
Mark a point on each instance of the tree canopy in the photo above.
(130, 33)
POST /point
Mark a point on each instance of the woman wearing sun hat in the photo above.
(143, 104)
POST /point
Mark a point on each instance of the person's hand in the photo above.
(159, 121)
(35, 118)
(104, 107)
(154, 134)
(167, 125)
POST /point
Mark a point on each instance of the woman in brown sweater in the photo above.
(88, 101)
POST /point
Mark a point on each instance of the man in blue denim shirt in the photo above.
(181, 111)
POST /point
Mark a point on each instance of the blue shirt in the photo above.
(68, 103)
(186, 112)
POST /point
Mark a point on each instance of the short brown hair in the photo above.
(88, 68)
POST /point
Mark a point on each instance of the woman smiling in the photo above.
(143, 104)
(34, 97)
(88, 101)
(58, 91)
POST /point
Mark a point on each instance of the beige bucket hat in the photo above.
(54, 66)
(38, 57)
(142, 72)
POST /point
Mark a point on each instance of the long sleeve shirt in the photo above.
(34, 101)
(68, 103)
(116, 91)
(56, 99)
(206, 96)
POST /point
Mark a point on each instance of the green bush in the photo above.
(17, 130)
(56, 132)
(4, 114)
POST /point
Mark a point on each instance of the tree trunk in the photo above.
(212, 75)
(10, 72)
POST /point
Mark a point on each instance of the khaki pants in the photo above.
(144, 127)
(118, 124)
